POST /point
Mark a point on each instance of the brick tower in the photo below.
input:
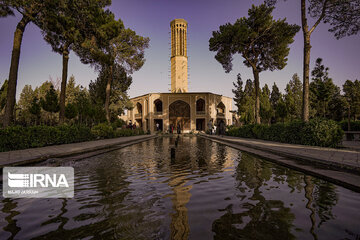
(179, 81)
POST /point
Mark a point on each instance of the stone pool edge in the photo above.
(90, 148)
(340, 176)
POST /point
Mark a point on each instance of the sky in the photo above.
(151, 18)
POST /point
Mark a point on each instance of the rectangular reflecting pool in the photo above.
(198, 190)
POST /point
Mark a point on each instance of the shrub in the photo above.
(323, 133)
(354, 125)
(291, 133)
(18, 137)
(103, 130)
(316, 132)
(118, 123)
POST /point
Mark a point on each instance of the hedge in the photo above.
(19, 137)
(316, 132)
(104, 130)
(354, 125)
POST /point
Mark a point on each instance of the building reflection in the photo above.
(179, 226)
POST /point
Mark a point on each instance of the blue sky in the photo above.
(151, 18)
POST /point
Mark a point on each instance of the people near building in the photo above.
(214, 129)
(130, 125)
(157, 126)
(134, 126)
(178, 128)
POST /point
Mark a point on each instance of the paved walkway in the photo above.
(31, 155)
(352, 145)
(343, 158)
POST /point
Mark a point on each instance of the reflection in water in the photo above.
(309, 188)
(181, 196)
(204, 191)
(260, 218)
(8, 209)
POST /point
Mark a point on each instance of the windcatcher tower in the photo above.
(179, 81)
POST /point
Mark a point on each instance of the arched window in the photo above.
(220, 109)
(139, 107)
(200, 106)
(158, 106)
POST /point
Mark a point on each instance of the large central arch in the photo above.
(179, 113)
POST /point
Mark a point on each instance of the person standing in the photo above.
(157, 126)
(178, 128)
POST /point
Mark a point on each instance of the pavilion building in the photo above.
(191, 110)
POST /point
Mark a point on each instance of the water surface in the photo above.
(204, 191)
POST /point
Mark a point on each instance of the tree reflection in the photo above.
(265, 219)
(9, 206)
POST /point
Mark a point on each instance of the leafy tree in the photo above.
(50, 103)
(248, 106)
(293, 97)
(41, 91)
(344, 19)
(30, 11)
(352, 97)
(336, 106)
(281, 110)
(238, 92)
(70, 111)
(322, 89)
(35, 109)
(261, 41)
(114, 46)
(24, 103)
(66, 25)
(266, 110)
(72, 90)
(118, 97)
(26, 97)
(275, 96)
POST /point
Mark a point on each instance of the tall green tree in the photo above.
(35, 109)
(238, 92)
(261, 41)
(66, 25)
(50, 103)
(281, 110)
(119, 99)
(293, 97)
(344, 19)
(351, 91)
(275, 95)
(26, 97)
(248, 106)
(30, 11)
(266, 110)
(337, 106)
(322, 89)
(113, 45)
(72, 90)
